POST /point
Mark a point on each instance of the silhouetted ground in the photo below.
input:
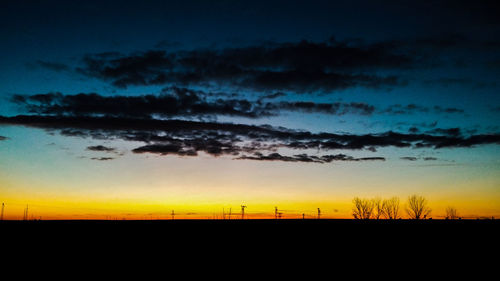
(284, 229)
(256, 242)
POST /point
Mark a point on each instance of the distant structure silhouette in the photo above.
(243, 211)
(319, 213)
(1, 216)
(173, 215)
(229, 217)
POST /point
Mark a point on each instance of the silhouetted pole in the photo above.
(229, 213)
(3, 206)
(276, 213)
(319, 213)
(173, 214)
(303, 216)
(25, 216)
(243, 211)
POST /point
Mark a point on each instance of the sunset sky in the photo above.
(132, 109)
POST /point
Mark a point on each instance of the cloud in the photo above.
(409, 158)
(449, 132)
(412, 158)
(172, 101)
(307, 158)
(102, 158)
(101, 148)
(212, 145)
(413, 130)
(430, 159)
(166, 149)
(272, 96)
(336, 108)
(175, 102)
(398, 109)
(299, 67)
(139, 69)
(187, 138)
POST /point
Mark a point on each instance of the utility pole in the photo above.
(229, 213)
(277, 214)
(26, 213)
(3, 206)
(243, 211)
(173, 214)
(319, 213)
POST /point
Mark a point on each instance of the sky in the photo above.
(132, 110)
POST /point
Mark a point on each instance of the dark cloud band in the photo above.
(184, 102)
(300, 67)
(187, 138)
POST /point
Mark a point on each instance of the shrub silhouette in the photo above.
(451, 213)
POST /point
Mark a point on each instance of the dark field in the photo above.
(255, 230)
(254, 242)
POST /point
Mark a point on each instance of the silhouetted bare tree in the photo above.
(417, 207)
(390, 208)
(363, 208)
(377, 205)
(451, 213)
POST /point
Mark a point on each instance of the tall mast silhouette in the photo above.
(243, 211)
(319, 213)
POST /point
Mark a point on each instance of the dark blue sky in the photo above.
(342, 66)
